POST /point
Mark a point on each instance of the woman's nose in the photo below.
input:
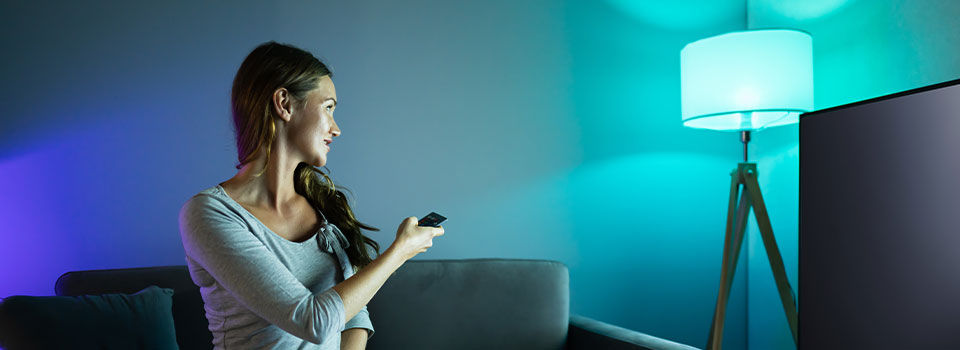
(335, 129)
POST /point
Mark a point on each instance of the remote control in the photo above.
(433, 220)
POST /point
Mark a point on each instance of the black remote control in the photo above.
(433, 220)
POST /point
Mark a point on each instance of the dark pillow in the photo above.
(143, 320)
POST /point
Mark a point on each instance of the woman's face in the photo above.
(313, 127)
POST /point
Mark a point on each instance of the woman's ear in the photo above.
(281, 104)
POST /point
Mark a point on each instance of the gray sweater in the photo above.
(260, 290)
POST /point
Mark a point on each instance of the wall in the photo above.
(542, 129)
(862, 49)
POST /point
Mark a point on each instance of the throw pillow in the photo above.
(143, 320)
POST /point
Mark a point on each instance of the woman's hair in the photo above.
(269, 67)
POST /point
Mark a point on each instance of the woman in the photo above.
(274, 248)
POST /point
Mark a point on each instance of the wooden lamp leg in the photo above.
(787, 298)
(736, 225)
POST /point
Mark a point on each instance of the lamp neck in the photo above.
(745, 138)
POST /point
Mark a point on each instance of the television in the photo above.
(879, 235)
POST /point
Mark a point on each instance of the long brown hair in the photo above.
(267, 68)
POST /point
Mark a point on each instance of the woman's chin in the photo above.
(319, 162)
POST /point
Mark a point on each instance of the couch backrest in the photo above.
(188, 315)
(426, 304)
(472, 304)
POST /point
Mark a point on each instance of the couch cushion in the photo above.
(109, 321)
(188, 315)
(473, 304)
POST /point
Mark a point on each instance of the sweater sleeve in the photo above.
(361, 320)
(217, 238)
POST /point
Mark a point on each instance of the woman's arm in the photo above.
(353, 339)
(216, 238)
(357, 290)
(411, 240)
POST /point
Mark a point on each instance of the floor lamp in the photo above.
(742, 82)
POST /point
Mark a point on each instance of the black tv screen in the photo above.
(880, 223)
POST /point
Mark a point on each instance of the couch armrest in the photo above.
(587, 333)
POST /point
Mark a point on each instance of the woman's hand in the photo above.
(412, 239)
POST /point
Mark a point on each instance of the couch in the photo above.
(448, 304)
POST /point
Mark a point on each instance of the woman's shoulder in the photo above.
(207, 200)
(214, 193)
(210, 216)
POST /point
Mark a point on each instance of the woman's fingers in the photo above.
(420, 237)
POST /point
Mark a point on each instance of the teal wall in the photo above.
(862, 49)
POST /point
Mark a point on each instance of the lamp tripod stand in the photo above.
(737, 214)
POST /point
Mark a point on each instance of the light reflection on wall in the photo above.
(807, 9)
(681, 14)
(34, 240)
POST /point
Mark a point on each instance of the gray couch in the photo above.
(426, 304)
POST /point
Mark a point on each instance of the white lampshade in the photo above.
(746, 80)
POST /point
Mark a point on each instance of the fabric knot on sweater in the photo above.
(333, 241)
(332, 237)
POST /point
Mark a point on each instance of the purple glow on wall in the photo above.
(79, 199)
(33, 242)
